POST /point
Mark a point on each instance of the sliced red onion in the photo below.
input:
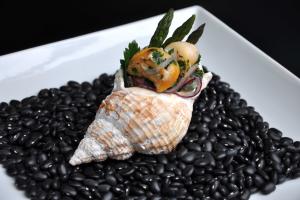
(193, 93)
(140, 82)
(183, 80)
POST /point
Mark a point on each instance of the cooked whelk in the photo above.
(135, 119)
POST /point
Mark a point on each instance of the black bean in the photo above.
(274, 177)
(220, 155)
(275, 157)
(62, 169)
(40, 176)
(168, 174)
(107, 196)
(162, 159)
(47, 184)
(203, 159)
(54, 195)
(118, 190)
(245, 195)
(46, 165)
(189, 157)
(56, 183)
(28, 122)
(111, 180)
(281, 179)
(5, 152)
(136, 191)
(104, 187)
(258, 180)
(214, 186)
(69, 190)
(275, 134)
(181, 151)
(296, 173)
(90, 182)
(223, 190)
(77, 177)
(76, 184)
(202, 129)
(42, 157)
(213, 124)
(232, 187)
(144, 170)
(194, 147)
(90, 172)
(250, 170)
(188, 170)
(268, 188)
(21, 183)
(285, 141)
(155, 187)
(127, 171)
(216, 195)
(207, 146)
(232, 195)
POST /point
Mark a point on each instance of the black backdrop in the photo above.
(272, 26)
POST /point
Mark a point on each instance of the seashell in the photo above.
(135, 120)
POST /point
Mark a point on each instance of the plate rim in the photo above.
(195, 9)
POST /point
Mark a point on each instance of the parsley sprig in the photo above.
(132, 49)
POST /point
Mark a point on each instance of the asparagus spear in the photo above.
(196, 34)
(181, 31)
(162, 30)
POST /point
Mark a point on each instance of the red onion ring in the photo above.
(191, 93)
(182, 81)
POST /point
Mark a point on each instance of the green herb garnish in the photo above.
(196, 34)
(182, 65)
(157, 57)
(135, 71)
(198, 72)
(198, 59)
(162, 30)
(132, 49)
(181, 31)
(171, 51)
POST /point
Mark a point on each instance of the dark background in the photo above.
(272, 26)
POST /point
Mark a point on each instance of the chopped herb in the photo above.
(171, 51)
(189, 87)
(157, 57)
(182, 65)
(198, 59)
(135, 71)
(198, 73)
(172, 62)
(151, 70)
(132, 49)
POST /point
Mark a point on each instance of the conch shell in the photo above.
(135, 119)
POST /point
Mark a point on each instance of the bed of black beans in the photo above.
(229, 152)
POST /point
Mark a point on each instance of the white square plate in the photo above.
(265, 84)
